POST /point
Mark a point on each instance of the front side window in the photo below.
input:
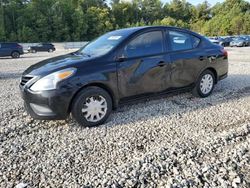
(149, 43)
(182, 41)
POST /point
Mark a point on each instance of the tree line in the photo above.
(84, 20)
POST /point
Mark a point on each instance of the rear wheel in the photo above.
(50, 50)
(33, 51)
(15, 55)
(205, 85)
(92, 106)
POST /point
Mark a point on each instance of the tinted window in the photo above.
(182, 41)
(146, 44)
(8, 45)
(195, 41)
(103, 44)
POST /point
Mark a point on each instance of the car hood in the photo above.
(56, 63)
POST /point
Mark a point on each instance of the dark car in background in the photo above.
(121, 66)
(214, 40)
(10, 49)
(42, 47)
(247, 39)
(225, 41)
(239, 42)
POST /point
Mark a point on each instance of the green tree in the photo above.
(75, 20)
(99, 21)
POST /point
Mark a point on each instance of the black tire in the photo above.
(50, 50)
(33, 51)
(80, 99)
(15, 54)
(197, 91)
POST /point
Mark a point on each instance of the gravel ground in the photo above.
(176, 141)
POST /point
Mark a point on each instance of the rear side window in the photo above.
(182, 41)
(3, 45)
(9, 45)
(149, 43)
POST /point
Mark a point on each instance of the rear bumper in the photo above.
(223, 76)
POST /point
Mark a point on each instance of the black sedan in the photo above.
(42, 47)
(121, 66)
(225, 41)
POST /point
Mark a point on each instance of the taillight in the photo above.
(19, 46)
(225, 54)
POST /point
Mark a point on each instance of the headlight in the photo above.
(50, 81)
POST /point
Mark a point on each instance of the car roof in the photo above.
(8, 43)
(134, 29)
(131, 30)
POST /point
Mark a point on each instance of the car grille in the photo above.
(25, 80)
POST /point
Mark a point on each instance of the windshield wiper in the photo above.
(80, 53)
(84, 54)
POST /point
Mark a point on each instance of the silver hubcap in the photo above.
(15, 54)
(206, 84)
(94, 108)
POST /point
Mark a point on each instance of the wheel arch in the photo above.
(100, 85)
(15, 51)
(214, 72)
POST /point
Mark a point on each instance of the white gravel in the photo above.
(177, 141)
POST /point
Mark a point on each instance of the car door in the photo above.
(4, 50)
(187, 59)
(39, 47)
(144, 65)
(46, 47)
(1, 50)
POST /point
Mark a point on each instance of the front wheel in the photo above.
(205, 84)
(91, 107)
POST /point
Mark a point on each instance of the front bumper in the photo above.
(47, 105)
(237, 45)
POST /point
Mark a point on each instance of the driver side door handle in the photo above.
(161, 63)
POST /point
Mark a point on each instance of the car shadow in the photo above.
(9, 57)
(236, 86)
(34, 55)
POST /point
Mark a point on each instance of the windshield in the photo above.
(102, 45)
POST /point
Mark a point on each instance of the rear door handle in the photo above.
(201, 58)
(161, 63)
